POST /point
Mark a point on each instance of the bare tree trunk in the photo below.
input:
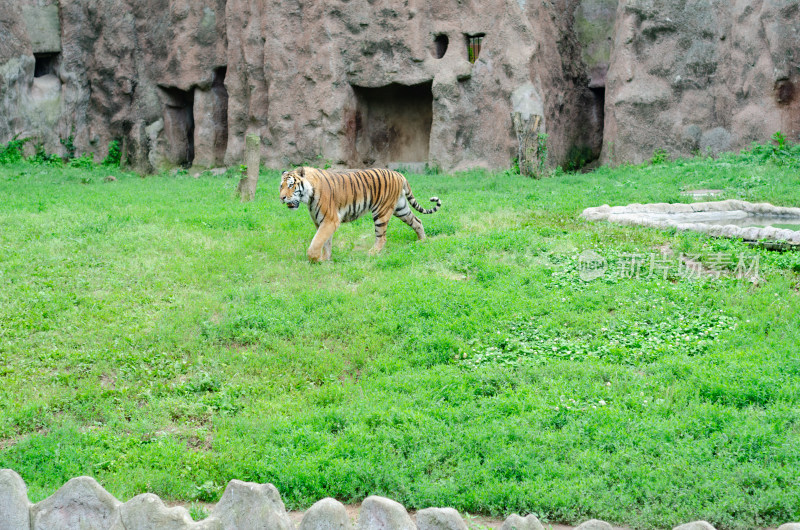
(532, 156)
(252, 157)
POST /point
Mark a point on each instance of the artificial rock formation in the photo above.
(703, 76)
(449, 83)
(353, 83)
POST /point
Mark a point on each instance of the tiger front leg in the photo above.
(327, 249)
(320, 248)
(378, 246)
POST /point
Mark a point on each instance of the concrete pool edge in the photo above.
(678, 216)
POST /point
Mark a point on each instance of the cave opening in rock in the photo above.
(440, 43)
(474, 44)
(586, 144)
(178, 125)
(220, 113)
(45, 64)
(392, 124)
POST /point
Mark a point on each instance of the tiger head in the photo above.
(293, 188)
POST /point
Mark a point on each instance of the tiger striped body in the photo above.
(335, 197)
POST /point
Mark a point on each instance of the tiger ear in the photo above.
(302, 172)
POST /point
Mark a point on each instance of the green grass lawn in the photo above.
(160, 336)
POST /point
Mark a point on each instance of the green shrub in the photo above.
(43, 158)
(69, 145)
(514, 169)
(13, 150)
(780, 152)
(660, 156)
(85, 161)
(114, 154)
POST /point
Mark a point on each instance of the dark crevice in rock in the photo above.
(440, 43)
(220, 113)
(179, 125)
(598, 114)
(587, 144)
(46, 64)
(785, 92)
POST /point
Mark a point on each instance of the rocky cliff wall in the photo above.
(350, 83)
(701, 76)
(378, 82)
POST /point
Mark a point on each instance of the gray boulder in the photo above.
(594, 524)
(327, 514)
(246, 505)
(516, 522)
(148, 511)
(380, 513)
(789, 526)
(696, 525)
(440, 519)
(80, 504)
(14, 504)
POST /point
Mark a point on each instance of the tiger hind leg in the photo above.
(381, 222)
(414, 222)
(403, 211)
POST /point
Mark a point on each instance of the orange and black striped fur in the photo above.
(336, 197)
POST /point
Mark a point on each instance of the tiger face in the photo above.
(291, 190)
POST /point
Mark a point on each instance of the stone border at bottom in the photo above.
(82, 503)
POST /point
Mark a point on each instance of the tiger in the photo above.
(336, 197)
